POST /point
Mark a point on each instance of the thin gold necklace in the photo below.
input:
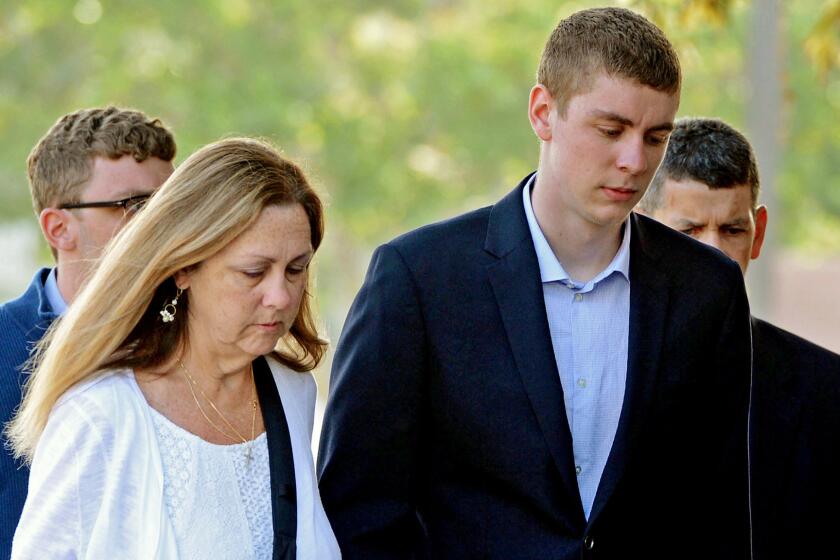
(248, 442)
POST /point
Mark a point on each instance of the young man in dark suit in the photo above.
(552, 376)
(708, 188)
(89, 173)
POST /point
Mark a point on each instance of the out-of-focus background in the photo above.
(409, 111)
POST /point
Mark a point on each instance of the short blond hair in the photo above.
(615, 41)
(61, 161)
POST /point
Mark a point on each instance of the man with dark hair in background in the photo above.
(88, 175)
(708, 187)
(552, 376)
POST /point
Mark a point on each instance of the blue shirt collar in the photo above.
(550, 268)
(53, 294)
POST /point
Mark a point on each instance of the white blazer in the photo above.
(96, 484)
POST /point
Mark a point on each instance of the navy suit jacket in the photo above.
(23, 322)
(446, 436)
(795, 446)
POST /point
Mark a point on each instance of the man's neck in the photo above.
(68, 279)
(582, 247)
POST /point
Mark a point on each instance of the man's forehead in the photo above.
(695, 198)
(125, 176)
(693, 187)
(610, 93)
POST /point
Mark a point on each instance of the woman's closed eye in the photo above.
(296, 270)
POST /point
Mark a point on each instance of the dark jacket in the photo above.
(23, 322)
(445, 434)
(795, 446)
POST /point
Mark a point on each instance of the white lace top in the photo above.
(202, 501)
(110, 480)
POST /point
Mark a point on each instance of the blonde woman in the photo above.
(169, 414)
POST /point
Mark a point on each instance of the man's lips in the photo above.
(619, 194)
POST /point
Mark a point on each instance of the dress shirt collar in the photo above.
(53, 294)
(550, 268)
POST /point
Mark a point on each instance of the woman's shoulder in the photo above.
(94, 415)
(103, 393)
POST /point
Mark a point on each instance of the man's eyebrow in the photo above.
(664, 127)
(742, 221)
(130, 192)
(620, 119)
(684, 222)
(610, 116)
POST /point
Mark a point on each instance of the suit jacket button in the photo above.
(589, 542)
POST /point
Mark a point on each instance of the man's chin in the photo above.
(612, 217)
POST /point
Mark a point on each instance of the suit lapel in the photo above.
(649, 300)
(515, 278)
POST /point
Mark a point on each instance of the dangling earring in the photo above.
(170, 309)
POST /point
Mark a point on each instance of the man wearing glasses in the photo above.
(88, 175)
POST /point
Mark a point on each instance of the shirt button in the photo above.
(589, 542)
(577, 469)
(578, 297)
(581, 382)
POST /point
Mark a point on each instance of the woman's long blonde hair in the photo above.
(215, 195)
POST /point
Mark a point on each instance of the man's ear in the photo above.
(760, 229)
(59, 228)
(540, 104)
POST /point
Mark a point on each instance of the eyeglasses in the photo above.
(130, 205)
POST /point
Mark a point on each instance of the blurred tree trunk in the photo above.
(764, 115)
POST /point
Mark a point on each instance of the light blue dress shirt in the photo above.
(589, 330)
(59, 306)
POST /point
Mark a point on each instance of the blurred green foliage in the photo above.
(402, 111)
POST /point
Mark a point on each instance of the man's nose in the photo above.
(632, 157)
